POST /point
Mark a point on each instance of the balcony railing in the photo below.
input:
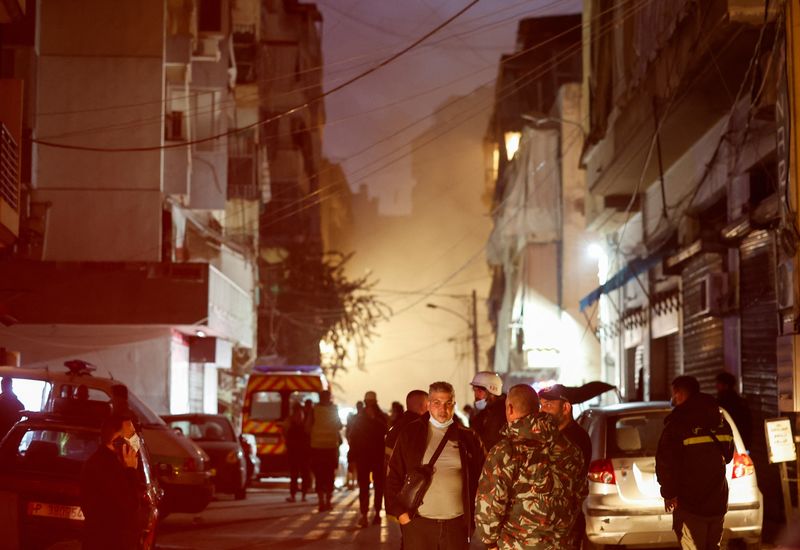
(9, 168)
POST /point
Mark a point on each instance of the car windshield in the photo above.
(203, 428)
(634, 434)
(145, 414)
(51, 451)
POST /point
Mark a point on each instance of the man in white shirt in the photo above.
(445, 518)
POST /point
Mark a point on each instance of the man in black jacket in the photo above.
(491, 405)
(445, 518)
(366, 441)
(735, 404)
(416, 406)
(110, 489)
(690, 465)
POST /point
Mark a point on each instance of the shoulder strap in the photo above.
(440, 448)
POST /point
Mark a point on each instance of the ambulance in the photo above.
(271, 391)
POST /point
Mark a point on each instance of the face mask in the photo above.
(480, 404)
(135, 442)
(438, 424)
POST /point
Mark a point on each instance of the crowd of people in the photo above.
(514, 474)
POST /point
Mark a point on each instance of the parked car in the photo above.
(183, 470)
(215, 434)
(41, 460)
(625, 507)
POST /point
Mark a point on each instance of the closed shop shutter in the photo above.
(759, 324)
(703, 354)
(759, 332)
(673, 356)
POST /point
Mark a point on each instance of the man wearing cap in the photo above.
(531, 481)
(366, 440)
(491, 405)
(556, 402)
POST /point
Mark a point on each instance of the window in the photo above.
(32, 393)
(634, 435)
(53, 451)
(209, 16)
(204, 429)
(266, 405)
(206, 115)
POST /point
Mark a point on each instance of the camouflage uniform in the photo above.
(531, 487)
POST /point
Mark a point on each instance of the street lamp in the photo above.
(471, 323)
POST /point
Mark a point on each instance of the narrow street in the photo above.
(265, 520)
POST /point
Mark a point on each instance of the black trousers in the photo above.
(435, 534)
(697, 532)
(324, 463)
(299, 471)
(365, 468)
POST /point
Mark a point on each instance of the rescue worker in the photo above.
(555, 402)
(531, 485)
(445, 518)
(325, 439)
(491, 405)
(690, 465)
(297, 450)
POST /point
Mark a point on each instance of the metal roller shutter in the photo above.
(703, 355)
(759, 330)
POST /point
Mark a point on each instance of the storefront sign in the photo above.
(780, 442)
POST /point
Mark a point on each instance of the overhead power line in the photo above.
(288, 112)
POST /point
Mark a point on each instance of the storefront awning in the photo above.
(631, 270)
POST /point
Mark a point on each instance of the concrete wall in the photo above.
(581, 351)
(136, 356)
(100, 84)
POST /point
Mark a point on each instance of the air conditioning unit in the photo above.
(784, 284)
(713, 295)
(206, 48)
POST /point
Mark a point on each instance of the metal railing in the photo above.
(9, 168)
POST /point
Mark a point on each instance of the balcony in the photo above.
(9, 187)
(105, 293)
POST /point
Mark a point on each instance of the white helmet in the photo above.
(489, 381)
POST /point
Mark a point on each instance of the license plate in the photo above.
(63, 511)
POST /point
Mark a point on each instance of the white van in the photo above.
(183, 469)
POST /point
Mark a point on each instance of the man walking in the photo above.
(555, 402)
(531, 485)
(445, 517)
(366, 440)
(491, 405)
(325, 439)
(690, 465)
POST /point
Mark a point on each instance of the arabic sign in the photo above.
(780, 442)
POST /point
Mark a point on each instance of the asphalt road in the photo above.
(265, 520)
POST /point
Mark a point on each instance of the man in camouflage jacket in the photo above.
(531, 487)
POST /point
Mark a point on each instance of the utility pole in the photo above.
(474, 323)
